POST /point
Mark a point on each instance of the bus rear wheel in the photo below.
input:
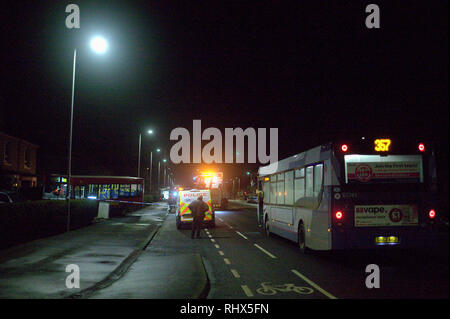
(301, 239)
(267, 227)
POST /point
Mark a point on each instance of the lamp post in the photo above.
(150, 132)
(98, 45)
(151, 166)
(165, 172)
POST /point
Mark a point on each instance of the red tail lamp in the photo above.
(344, 147)
(432, 213)
(421, 147)
(339, 215)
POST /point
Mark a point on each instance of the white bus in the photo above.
(364, 194)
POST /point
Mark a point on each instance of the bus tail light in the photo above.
(344, 147)
(339, 215)
(432, 213)
(421, 147)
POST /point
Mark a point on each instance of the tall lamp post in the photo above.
(159, 170)
(151, 166)
(150, 132)
(98, 45)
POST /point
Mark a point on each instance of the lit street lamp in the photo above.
(159, 170)
(98, 45)
(151, 166)
(150, 132)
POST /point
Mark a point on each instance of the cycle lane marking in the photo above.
(235, 273)
(313, 284)
(247, 291)
(242, 235)
(264, 251)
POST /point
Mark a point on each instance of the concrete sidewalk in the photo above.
(171, 267)
(103, 252)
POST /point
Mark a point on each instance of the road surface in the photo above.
(242, 262)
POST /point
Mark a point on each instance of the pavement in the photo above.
(105, 252)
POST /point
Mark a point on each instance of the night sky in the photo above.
(310, 68)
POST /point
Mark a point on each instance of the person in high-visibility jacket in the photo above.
(198, 209)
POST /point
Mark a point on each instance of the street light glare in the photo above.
(150, 131)
(99, 45)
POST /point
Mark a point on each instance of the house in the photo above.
(17, 161)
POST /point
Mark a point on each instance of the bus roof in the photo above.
(313, 155)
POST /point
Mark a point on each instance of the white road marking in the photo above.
(247, 290)
(209, 235)
(317, 287)
(235, 273)
(221, 219)
(221, 253)
(227, 261)
(213, 240)
(217, 246)
(264, 251)
(240, 234)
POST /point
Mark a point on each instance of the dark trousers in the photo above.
(196, 224)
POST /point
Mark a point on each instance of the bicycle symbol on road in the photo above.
(268, 289)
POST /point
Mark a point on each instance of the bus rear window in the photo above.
(368, 169)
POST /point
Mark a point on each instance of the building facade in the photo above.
(17, 161)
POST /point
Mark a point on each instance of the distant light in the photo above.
(363, 138)
(421, 147)
(99, 45)
(92, 197)
(344, 148)
(158, 150)
(432, 213)
(164, 160)
(150, 132)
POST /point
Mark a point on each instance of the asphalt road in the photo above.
(242, 262)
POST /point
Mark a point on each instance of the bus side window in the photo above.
(280, 189)
(273, 192)
(114, 191)
(299, 187)
(133, 192)
(104, 191)
(266, 190)
(289, 187)
(93, 190)
(318, 184)
(309, 187)
(124, 190)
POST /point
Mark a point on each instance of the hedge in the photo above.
(22, 222)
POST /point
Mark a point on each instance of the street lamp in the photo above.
(150, 132)
(99, 45)
(159, 170)
(151, 166)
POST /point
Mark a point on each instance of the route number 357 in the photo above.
(382, 145)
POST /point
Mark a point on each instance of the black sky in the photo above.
(310, 68)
